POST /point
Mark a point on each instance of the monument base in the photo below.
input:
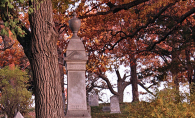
(77, 114)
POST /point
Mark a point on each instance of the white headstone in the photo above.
(114, 104)
(93, 100)
(18, 115)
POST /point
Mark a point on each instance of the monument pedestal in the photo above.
(77, 105)
(78, 114)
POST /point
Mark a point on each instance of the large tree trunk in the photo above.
(120, 90)
(174, 69)
(121, 84)
(189, 70)
(134, 79)
(44, 62)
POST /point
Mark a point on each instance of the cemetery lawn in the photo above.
(96, 111)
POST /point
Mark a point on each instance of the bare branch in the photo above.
(109, 84)
(150, 21)
(7, 47)
(179, 22)
(145, 88)
(116, 8)
(118, 74)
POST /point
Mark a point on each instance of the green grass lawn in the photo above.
(96, 111)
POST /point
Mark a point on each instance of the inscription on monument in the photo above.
(77, 107)
(77, 66)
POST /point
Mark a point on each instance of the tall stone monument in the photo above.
(76, 59)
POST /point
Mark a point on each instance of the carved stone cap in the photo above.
(75, 44)
(74, 24)
(76, 56)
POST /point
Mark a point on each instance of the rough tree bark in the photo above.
(134, 79)
(121, 85)
(174, 69)
(44, 62)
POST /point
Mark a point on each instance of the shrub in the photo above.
(14, 95)
(166, 104)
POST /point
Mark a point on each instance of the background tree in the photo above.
(14, 95)
(105, 32)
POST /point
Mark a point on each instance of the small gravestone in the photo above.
(18, 115)
(106, 109)
(93, 100)
(114, 105)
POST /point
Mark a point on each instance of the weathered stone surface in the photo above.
(106, 109)
(114, 104)
(18, 115)
(76, 66)
(75, 44)
(76, 55)
(77, 104)
(93, 100)
(76, 89)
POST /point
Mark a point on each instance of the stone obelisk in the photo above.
(76, 59)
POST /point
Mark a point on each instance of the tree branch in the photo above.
(7, 47)
(127, 83)
(108, 84)
(118, 75)
(25, 42)
(145, 88)
(92, 85)
(115, 8)
(179, 22)
(150, 21)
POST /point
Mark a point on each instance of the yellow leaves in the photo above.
(97, 42)
(164, 106)
(64, 70)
